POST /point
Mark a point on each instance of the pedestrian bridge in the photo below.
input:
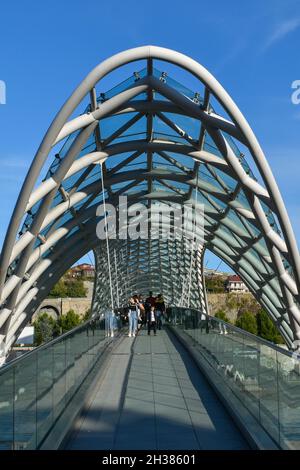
(152, 396)
(188, 387)
(130, 141)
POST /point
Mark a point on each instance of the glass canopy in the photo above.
(157, 142)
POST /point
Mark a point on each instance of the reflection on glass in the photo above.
(45, 366)
(6, 410)
(264, 377)
(36, 389)
(25, 404)
(289, 409)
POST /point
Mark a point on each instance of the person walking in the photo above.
(151, 300)
(142, 310)
(151, 320)
(147, 306)
(109, 323)
(132, 317)
(160, 310)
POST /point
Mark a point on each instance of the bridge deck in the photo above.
(152, 396)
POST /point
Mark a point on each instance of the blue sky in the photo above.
(252, 48)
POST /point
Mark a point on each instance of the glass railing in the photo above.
(263, 376)
(36, 388)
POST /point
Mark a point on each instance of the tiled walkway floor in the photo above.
(152, 396)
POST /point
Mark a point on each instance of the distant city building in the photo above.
(82, 270)
(212, 272)
(235, 284)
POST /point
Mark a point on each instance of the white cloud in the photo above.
(13, 163)
(281, 31)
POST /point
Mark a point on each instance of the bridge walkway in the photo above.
(153, 396)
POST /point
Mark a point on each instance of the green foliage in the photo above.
(232, 302)
(222, 315)
(215, 284)
(247, 321)
(68, 321)
(58, 290)
(68, 288)
(44, 329)
(75, 288)
(266, 328)
(261, 325)
(257, 322)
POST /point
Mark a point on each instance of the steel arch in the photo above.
(246, 222)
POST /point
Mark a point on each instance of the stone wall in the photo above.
(57, 307)
(79, 305)
(60, 306)
(232, 304)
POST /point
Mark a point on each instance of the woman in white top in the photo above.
(132, 317)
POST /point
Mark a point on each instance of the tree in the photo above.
(222, 315)
(59, 289)
(266, 328)
(68, 321)
(75, 288)
(215, 284)
(247, 322)
(44, 329)
(68, 288)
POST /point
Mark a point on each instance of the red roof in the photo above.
(234, 278)
(84, 266)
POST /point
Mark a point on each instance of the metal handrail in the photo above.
(50, 343)
(245, 333)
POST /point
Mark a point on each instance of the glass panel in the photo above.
(251, 371)
(122, 86)
(264, 378)
(45, 366)
(6, 410)
(113, 123)
(25, 404)
(90, 342)
(59, 378)
(36, 389)
(238, 361)
(70, 366)
(289, 401)
(268, 381)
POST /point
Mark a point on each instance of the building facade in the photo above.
(83, 271)
(235, 284)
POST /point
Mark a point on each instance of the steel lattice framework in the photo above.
(166, 265)
(155, 140)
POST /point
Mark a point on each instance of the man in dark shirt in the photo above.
(160, 310)
(151, 300)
